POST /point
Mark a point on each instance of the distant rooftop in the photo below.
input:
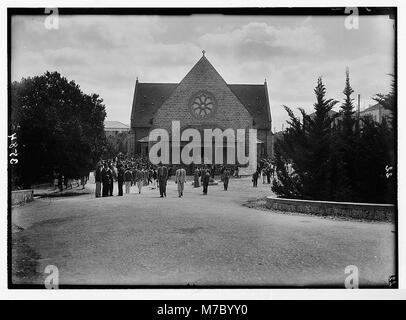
(372, 108)
(115, 125)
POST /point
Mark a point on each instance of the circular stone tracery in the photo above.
(202, 105)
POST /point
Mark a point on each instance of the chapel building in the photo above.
(201, 100)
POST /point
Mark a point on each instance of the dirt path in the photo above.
(142, 239)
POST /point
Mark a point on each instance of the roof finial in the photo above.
(203, 51)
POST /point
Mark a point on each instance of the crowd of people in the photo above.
(266, 169)
(127, 172)
(139, 172)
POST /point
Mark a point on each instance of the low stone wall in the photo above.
(22, 196)
(366, 211)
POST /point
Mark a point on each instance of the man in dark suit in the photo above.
(111, 175)
(226, 178)
(255, 179)
(196, 178)
(128, 177)
(162, 178)
(120, 179)
(98, 179)
(205, 179)
(105, 180)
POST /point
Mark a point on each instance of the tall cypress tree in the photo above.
(343, 148)
(347, 108)
(306, 146)
(319, 175)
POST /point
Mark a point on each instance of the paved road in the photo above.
(142, 239)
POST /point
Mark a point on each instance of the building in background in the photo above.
(117, 138)
(202, 100)
(376, 112)
(113, 128)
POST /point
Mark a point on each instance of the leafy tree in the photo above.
(59, 128)
(116, 144)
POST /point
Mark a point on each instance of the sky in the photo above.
(105, 54)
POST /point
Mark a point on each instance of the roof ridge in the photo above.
(174, 83)
(246, 84)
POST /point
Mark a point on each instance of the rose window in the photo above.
(202, 105)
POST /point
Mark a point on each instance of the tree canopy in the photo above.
(60, 129)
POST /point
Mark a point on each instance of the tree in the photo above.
(60, 129)
(388, 101)
(333, 158)
(343, 148)
(374, 155)
(116, 144)
(306, 147)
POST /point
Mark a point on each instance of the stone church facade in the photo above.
(202, 100)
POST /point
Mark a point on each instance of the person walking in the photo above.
(268, 173)
(98, 179)
(128, 177)
(133, 171)
(180, 179)
(162, 179)
(120, 179)
(196, 178)
(155, 178)
(111, 180)
(226, 178)
(139, 178)
(264, 169)
(105, 180)
(205, 180)
(272, 173)
(255, 179)
(170, 171)
(150, 172)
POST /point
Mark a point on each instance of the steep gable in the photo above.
(149, 97)
(203, 78)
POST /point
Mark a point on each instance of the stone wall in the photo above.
(22, 196)
(366, 211)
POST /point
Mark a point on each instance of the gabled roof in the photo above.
(255, 98)
(149, 97)
(115, 125)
